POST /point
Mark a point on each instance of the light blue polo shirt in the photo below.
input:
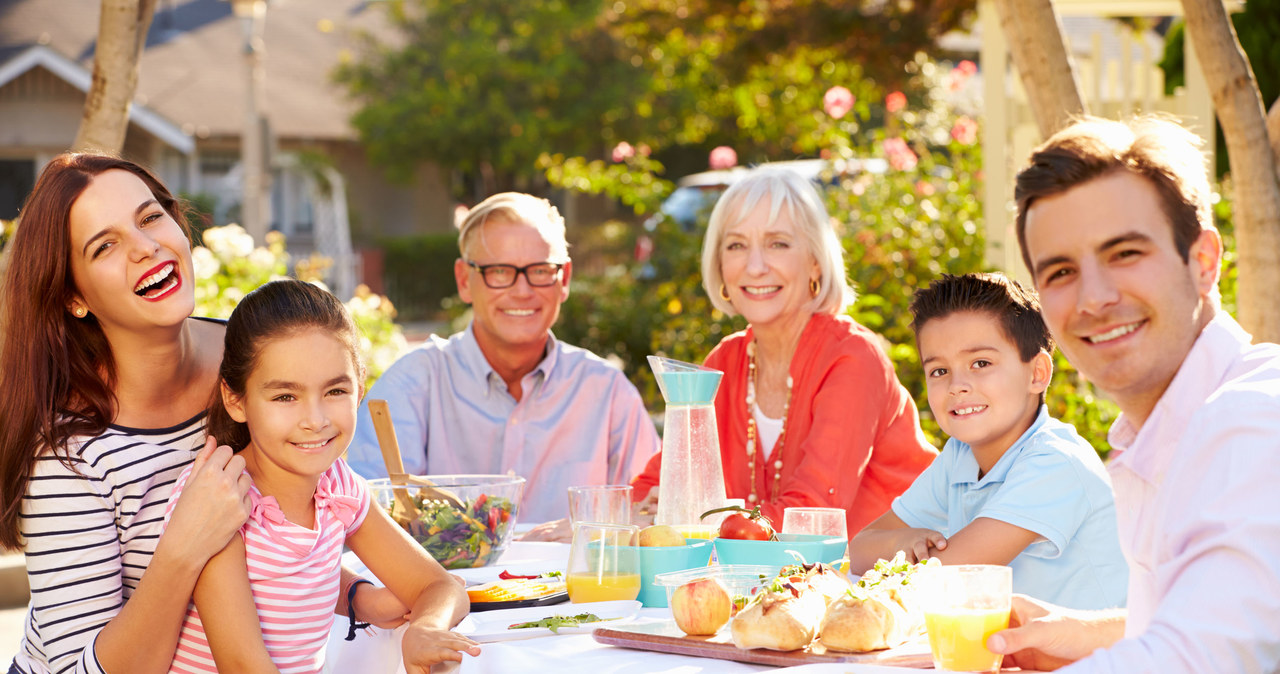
(1050, 482)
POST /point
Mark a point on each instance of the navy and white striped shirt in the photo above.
(90, 534)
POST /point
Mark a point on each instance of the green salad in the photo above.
(458, 539)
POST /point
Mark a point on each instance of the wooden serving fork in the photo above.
(390, 447)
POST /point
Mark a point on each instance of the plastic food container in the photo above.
(459, 539)
(741, 580)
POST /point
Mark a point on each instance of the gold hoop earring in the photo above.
(724, 293)
(814, 287)
(80, 312)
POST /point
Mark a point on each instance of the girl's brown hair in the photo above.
(57, 373)
(276, 309)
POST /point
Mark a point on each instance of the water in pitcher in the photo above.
(692, 478)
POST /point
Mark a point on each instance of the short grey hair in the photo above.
(519, 208)
(790, 193)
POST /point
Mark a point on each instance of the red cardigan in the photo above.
(852, 441)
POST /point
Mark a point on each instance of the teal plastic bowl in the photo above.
(656, 560)
(812, 547)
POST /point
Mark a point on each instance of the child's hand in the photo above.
(379, 607)
(922, 544)
(423, 647)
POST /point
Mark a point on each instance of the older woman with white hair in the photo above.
(810, 411)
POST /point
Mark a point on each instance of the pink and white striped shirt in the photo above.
(294, 573)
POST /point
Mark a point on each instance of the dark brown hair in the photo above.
(1014, 306)
(57, 373)
(276, 309)
(1155, 148)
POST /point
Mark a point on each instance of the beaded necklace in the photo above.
(753, 434)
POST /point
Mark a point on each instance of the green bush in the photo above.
(418, 273)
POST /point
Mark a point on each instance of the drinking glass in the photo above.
(819, 521)
(602, 504)
(963, 606)
(604, 563)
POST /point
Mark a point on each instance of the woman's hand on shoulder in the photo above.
(424, 646)
(213, 505)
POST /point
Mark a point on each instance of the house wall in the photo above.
(382, 208)
(39, 115)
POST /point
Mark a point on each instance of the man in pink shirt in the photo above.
(1115, 226)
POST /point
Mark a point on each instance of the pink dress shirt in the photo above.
(1198, 507)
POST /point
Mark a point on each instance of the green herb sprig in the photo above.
(555, 622)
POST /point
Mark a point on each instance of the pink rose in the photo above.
(838, 101)
(895, 101)
(723, 157)
(959, 75)
(965, 131)
(900, 155)
(623, 151)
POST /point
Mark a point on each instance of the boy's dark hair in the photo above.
(276, 309)
(1013, 305)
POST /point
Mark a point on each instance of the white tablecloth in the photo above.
(563, 654)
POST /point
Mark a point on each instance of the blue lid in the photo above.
(684, 383)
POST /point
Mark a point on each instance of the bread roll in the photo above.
(781, 621)
(881, 611)
(869, 623)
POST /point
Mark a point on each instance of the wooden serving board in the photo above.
(665, 637)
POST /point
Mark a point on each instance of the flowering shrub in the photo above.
(229, 265)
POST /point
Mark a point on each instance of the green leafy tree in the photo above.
(486, 86)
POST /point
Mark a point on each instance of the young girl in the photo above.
(290, 382)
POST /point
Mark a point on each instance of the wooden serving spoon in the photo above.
(390, 447)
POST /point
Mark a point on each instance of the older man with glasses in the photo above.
(505, 394)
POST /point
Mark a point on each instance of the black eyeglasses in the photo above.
(538, 274)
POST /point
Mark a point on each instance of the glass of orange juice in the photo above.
(604, 563)
(963, 606)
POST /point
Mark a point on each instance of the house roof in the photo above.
(192, 71)
(14, 65)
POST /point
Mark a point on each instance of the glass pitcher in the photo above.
(692, 477)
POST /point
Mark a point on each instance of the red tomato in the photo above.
(740, 527)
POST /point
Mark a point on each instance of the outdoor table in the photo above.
(563, 654)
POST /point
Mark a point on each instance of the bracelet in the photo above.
(351, 608)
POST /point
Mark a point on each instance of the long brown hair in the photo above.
(57, 373)
(275, 309)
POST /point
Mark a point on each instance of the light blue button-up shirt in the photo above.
(579, 421)
(1050, 482)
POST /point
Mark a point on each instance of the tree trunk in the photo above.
(1253, 165)
(1273, 130)
(1040, 55)
(122, 34)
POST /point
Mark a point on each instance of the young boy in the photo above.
(1012, 486)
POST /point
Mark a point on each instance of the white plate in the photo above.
(488, 574)
(490, 626)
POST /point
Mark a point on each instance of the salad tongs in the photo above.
(395, 465)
